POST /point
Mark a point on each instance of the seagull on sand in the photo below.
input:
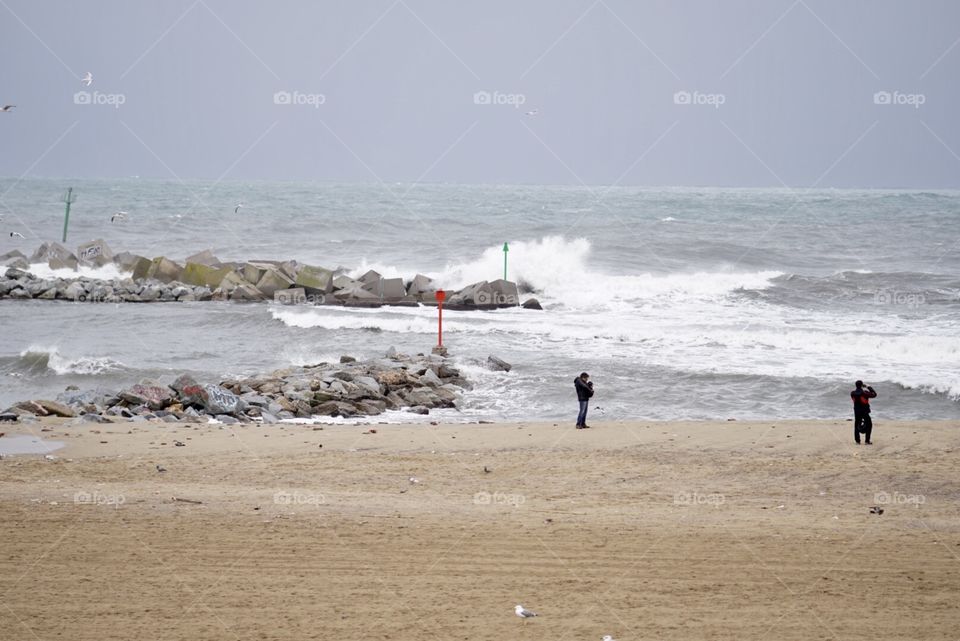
(607, 637)
(524, 613)
(238, 207)
(120, 215)
(161, 468)
(87, 80)
(7, 108)
(16, 234)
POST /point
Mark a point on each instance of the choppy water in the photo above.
(681, 303)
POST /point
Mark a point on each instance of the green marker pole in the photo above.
(68, 199)
(506, 248)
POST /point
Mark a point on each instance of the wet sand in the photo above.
(641, 530)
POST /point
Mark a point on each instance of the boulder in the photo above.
(396, 378)
(96, 253)
(232, 280)
(30, 407)
(202, 275)
(53, 408)
(141, 268)
(55, 255)
(420, 285)
(430, 378)
(370, 277)
(273, 280)
(505, 293)
(335, 408)
(318, 279)
(371, 407)
(183, 383)
(75, 291)
(128, 262)
(498, 365)
(480, 295)
(532, 303)
(149, 294)
(153, 396)
(246, 293)
(252, 272)
(293, 296)
(19, 294)
(355, 293)
(11, 255)
(386, 288)
(165, 270)
(18, 263)
(213, 398)
(368, 384)
(342, 281)
(205, 257)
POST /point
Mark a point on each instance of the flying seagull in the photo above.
(524, 613)
(532, 112)
(120, 215)
(16, 234)
(7, 108)
(238, 207)
(87, 80)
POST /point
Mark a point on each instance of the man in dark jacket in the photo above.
(862, 424)
(584, 389)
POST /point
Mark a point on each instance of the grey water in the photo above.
(681, 303)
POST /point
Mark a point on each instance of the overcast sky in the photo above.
(690, 92)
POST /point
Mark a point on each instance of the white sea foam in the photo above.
(107, 272)
(52, 359)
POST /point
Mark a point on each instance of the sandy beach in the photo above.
(641, 530)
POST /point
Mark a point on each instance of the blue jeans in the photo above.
(582, 416)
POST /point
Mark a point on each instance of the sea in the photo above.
(681, 303)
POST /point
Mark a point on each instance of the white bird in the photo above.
(6, 108)
(238, 207)
(87, 80)
(607, 637)
(532, 112)
(414, 480)
(524, 613)
(16, 234)
(120, 215)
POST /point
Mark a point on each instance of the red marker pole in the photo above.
(440, 295)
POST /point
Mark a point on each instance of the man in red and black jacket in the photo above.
(862, 424)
